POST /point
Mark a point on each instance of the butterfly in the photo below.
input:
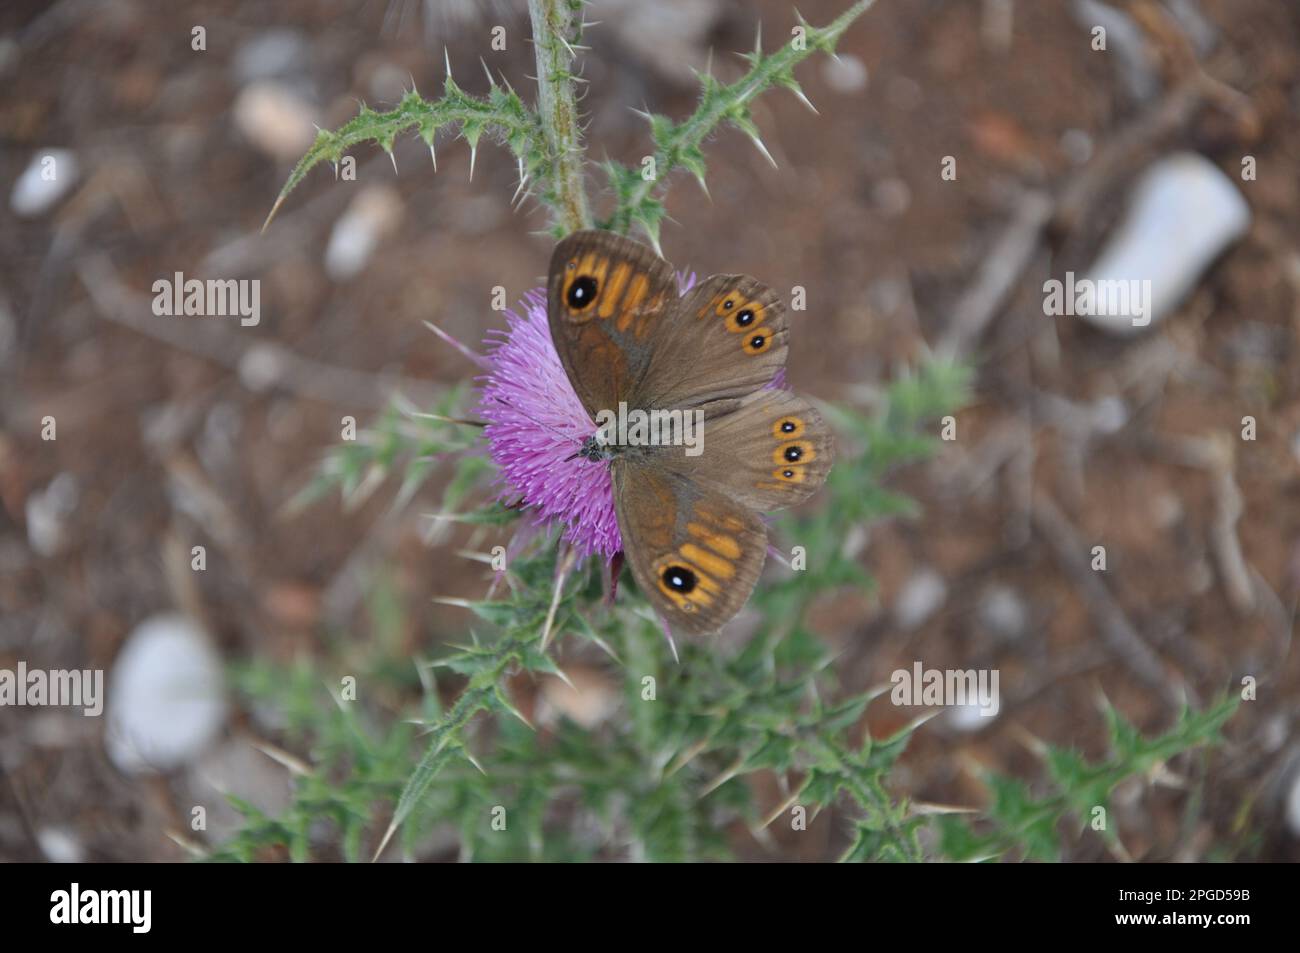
(691, 525)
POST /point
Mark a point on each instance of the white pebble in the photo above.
(166, 696)
(845, 74)
(373, 214)
(1182, 215)
(47, 178)
(1002, 611)
(60, 846)
(47, 515)
(275, 119)
(1293, 804)
(921, 596)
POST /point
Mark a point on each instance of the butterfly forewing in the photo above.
(725, 339)
(606, 295)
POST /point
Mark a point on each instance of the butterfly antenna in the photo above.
(544, 426)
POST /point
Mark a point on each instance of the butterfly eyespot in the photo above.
(788, 474)
(728, 304)
(679, 579)
(582, 292)
(788, 428)
(799, 452)
(758, 342)
(745, 318)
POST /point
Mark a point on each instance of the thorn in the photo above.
(446, 58)
(413, 89)
(433, 155)
(478, 359)
(388, 835)
(473, 152)
(501, 697)
(274, 208)
(336, 170)
(491, 81)
(561, 573)
(446, 420)
(394, 159)
(763, 149)
(668, 634)
(758, 40)
(798, 91)
(708, 64)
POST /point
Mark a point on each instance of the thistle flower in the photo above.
(535, 425)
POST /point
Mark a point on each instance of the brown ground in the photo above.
(856, 213)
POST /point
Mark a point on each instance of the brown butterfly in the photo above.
(690, 523)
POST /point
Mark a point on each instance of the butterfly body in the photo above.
(705, 362)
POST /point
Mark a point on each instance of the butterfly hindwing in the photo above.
(695, 554)
(772, 451)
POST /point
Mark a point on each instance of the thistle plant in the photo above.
(448, 750)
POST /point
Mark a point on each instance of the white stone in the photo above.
(60, 846)
(921, 596)
(1182, 215)
(275, 119)
(166, 696)
(372, 215)
(47, 178)
(47, 514)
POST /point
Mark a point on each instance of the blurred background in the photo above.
(176, 433)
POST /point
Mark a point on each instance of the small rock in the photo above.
(236, 768)
(1077, 146)
(270, 54)
(373, 214)
(275, 119)
(973, 716)
(47, 178)
(60, 846)
(47, 515)
(921, 596)
(1293, 804)
(1002, 611)
(1183, 213)
(1109, 415)
(892, 197)
(166, 696)
(845, 74)
(589, 702)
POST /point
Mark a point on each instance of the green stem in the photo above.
(557, 25)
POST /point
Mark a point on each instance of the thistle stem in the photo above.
(556, 27)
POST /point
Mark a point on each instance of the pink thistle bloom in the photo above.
(535, 425)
